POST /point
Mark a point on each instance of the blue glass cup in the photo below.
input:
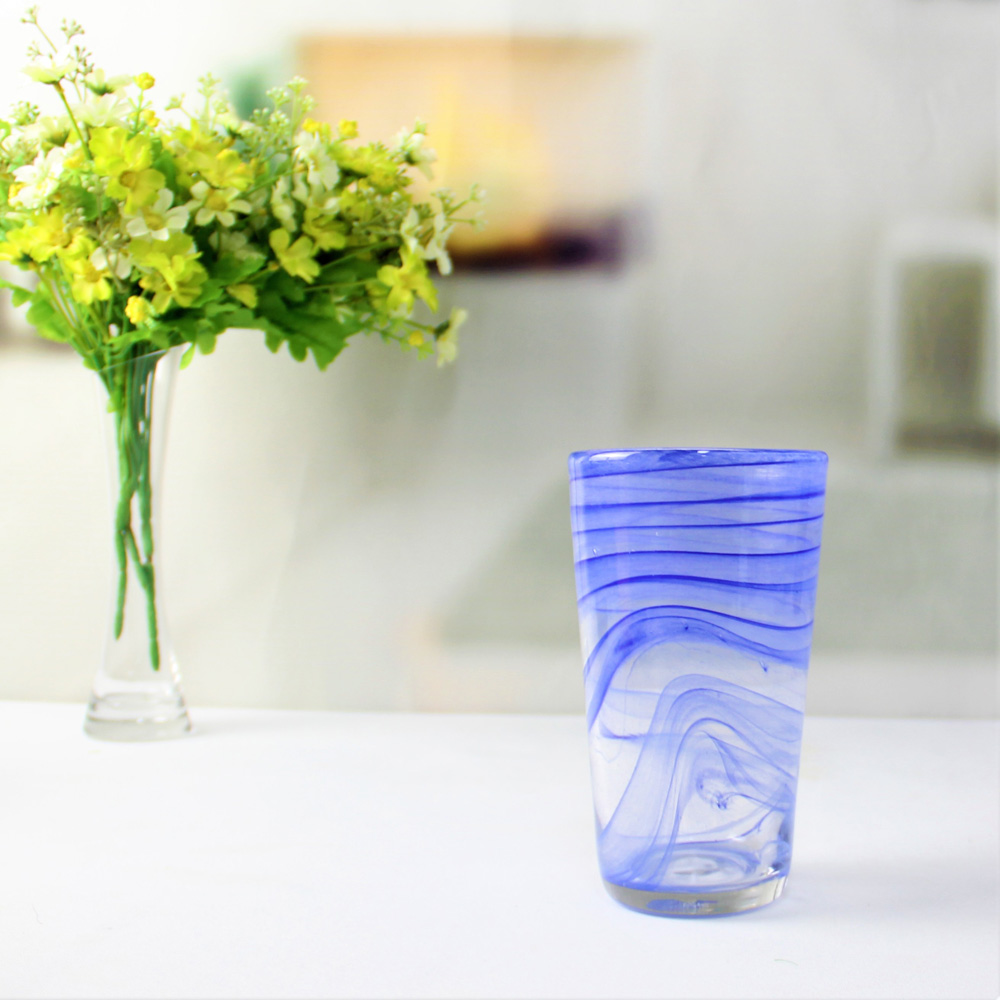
(696, 580)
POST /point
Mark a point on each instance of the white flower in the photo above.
(54, 129)
(108, 109)
(39, 179)
(101, 84)
(159, 220)
(438, 253)
(119, 263)
(50, 72)
(211, 204)
(447, 341)
(300, 189)
(410, 231)
(234, 244)
(411, 145)
(434, 249)
(282, 207)
(322, 171)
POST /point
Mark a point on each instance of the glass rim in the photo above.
(159, 353)
(612, 454)
(745, 461)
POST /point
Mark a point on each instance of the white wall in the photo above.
(225, 36)
(323, 532)
(792, 135)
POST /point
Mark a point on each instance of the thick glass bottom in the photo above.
(136, 717)
(710, 903)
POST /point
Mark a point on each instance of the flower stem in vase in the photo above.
(137, 692)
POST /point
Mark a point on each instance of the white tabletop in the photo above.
(309, 854)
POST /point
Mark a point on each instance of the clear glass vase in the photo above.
(137, 693)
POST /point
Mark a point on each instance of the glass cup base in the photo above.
(697, 904)
(134, 718)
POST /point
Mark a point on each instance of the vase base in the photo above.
(134, 718)
(697, 904)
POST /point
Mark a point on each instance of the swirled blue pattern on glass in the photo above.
(696, 580)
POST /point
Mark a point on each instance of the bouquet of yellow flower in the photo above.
(149, 230)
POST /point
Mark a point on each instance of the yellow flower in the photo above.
(373, 162)
(115, 150)
(227, 170)
(80, 245)
(196, 152)
(175, 274)
(87, 284)
(40, 241)
(296, 258)
(126, 163)
(326, 232)
(48, 236)
(404, 282)
(139, 310)
(153, 254)
(145, 81)
(13, 248)
(76, 157)
(354, 205)
(321, 129)
(178, 282)
(138, 188)
(348, 129)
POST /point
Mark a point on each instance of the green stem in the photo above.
(129, 387)
(267, 182)
(336, 285)
(76, 126)
(45, 35)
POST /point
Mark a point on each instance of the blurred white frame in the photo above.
(928, 240)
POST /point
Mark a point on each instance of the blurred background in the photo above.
(766, 223)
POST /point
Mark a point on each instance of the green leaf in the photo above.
(185, 327)
(210, 291)
(47, 322)
(230, 270)
(158, 335)
(88, 203)
(242, 318)
(166, 165)
(348, 272)
(274, 334)
(273, 338)
(206, 341)
(188, 356)
(18, 293)
(287, 287)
